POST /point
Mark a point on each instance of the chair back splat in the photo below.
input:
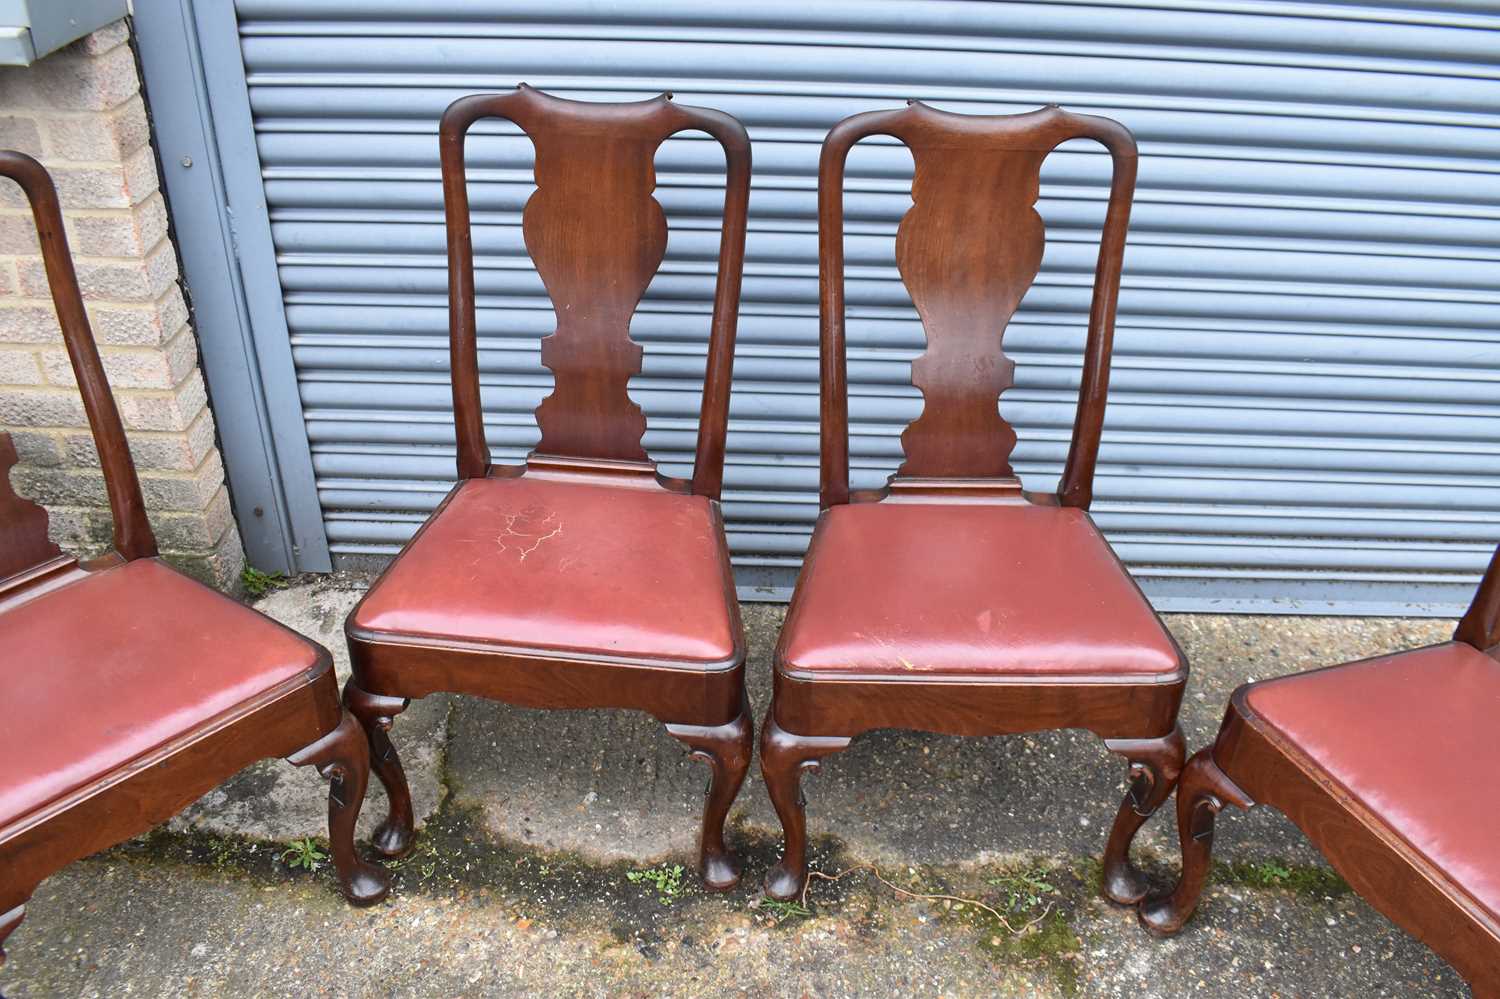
(132, 533)
(968, 250)
(597, 236)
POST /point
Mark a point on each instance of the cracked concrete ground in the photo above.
(535, 820)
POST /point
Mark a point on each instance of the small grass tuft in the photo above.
(783, 911)
(1024, 889)
(666, 879)
(258, 583)
(304, 853)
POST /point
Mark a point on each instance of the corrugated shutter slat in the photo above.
(1305, 402)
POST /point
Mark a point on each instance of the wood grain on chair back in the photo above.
(132, 533)
(597, 237)
(968, 250)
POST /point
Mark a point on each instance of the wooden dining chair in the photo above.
(128, 690)
(582, 578)
(952, 600)
(1389, 766)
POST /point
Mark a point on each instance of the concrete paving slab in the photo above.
(606, 785)
(520, 885)
(275, 801)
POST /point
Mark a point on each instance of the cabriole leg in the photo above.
(783, 758)
(1203, 791)
(727, 749)
(1154, 767)
(343, 757)
(394, 836)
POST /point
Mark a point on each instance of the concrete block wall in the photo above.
(80, 112)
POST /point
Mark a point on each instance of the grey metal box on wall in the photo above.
(30, 29)
(1305, 406)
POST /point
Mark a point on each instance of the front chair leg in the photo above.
(394, 836)
(8, 922)
(1154, 767)
(1203, 791)
(783, 757)
(726, 748)
(343, 757)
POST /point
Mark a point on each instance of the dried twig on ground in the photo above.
(927, 896)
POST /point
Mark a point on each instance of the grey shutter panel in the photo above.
(1305, 403)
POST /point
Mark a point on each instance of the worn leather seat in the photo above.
(574, 567)
(916, 590)
(105, 669)
(1413, 738)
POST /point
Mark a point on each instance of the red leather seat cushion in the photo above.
(112, 666)
(567, 566)
(1413, 737)
(914, 589)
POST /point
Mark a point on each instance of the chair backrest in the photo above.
(1480, 626)
(597, 237)
(132, 533)
(968, 250)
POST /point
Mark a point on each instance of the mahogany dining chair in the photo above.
(952, 600)
(582, 578)
(1389, 766)
(128, 690)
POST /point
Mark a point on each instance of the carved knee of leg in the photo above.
(394, 837)
(1155, 766)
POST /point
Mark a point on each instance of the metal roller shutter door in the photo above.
(1305, 405)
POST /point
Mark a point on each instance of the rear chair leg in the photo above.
(393, 838)
(1204, 790)
(783, 757)
(8, 922)
(1154, 767)
(343, 757)
(726, 748)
